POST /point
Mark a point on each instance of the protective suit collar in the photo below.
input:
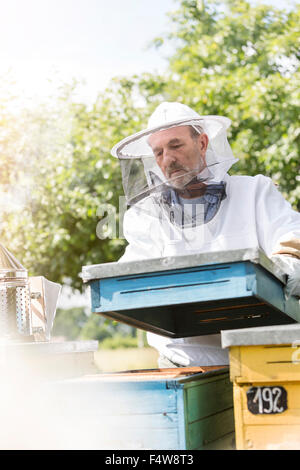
(188, 213)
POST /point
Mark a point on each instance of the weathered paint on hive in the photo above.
(197, 300)
(156, 409)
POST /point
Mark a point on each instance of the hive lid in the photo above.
(140, 375)
(108, 270)
(9, 264)
(262, 335)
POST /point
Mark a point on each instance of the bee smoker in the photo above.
(15, 300)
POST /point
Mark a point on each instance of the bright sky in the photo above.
(91, 40)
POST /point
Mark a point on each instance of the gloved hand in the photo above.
(291, 266)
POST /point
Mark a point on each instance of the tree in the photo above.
(242, 61)
(69, 174)
(69, 323)
(75, 324)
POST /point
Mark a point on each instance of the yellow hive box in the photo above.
(265, 371)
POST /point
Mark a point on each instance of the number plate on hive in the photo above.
(266, 400)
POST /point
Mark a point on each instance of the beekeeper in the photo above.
(182, 201)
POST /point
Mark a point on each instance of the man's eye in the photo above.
(176, 146)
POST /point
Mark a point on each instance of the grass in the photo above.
(113, 360)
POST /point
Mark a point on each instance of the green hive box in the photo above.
(161, 409)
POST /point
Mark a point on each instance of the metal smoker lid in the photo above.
(10, 267)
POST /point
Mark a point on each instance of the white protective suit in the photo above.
(253, 214)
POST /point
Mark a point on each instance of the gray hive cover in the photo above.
(276, 334)
(107, 270)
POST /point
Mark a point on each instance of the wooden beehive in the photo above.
(265, 371)
(184, 408)
(192, 295)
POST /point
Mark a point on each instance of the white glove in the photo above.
(291, 266)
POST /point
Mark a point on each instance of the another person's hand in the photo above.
(293, 285)
(290, 266)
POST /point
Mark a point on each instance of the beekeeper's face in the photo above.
(180, 153)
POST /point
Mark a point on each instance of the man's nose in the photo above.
(168, 157)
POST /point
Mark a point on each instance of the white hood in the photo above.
(138, 162)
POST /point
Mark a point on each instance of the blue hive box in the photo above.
(192, 295)
(162, 409)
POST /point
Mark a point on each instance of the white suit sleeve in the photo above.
(278, 227)
(142, 233)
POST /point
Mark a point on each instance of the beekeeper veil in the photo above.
(141, 174)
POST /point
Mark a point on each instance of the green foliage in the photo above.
(242, 61)
(75, 324)
(119, 341)
(69, 174)
(98, 328)
(69, 323)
